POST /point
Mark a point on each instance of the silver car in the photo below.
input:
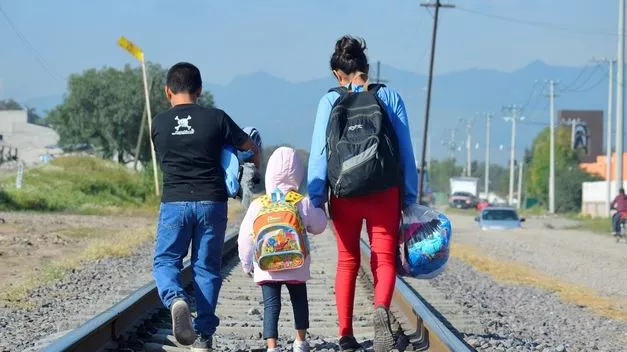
(499, 218)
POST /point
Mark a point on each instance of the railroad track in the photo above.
(140, 323)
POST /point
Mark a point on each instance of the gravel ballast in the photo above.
(77, 297)
(81, 294)
(524, 318)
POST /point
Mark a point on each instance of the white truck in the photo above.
(463, 192)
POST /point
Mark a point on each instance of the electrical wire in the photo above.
(540, 24)
(569, 89)
(579, 75)
(596, 84)
(27, 44)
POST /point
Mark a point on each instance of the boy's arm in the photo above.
(252, 146)
(315, 218)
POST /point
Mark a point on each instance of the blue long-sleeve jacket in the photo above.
(317, 172)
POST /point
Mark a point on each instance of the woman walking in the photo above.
(361, 151)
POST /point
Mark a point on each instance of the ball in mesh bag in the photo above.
(426, 247)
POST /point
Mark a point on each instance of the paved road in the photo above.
(579, 257)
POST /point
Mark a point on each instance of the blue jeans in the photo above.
(272, 307)
(203, 224)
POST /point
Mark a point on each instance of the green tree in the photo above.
(568, 175)
(104, 108)
(441, 171)
(499, 177)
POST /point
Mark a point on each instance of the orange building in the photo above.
(599, 167)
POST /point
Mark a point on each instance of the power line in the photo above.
(592, 74)
(596, 84)
(26, 43)
(579, 75)
(531, 95)
(540, 24)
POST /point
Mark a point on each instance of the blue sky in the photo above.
(291, 39)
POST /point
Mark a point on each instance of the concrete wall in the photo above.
(31, 140)
(594, 197)
(11, 119)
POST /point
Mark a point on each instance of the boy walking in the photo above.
(188, 142)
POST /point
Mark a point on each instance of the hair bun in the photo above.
(350, 47)
(349, 56)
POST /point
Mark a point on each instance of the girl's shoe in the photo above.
(349, 344)
(300, 346)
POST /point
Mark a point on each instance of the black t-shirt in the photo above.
(188, 142)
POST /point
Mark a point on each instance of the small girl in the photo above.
(284, 171)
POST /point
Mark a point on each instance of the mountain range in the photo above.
(284, 111)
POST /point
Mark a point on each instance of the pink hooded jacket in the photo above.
(285, 170)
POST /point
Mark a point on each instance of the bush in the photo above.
(77, 183)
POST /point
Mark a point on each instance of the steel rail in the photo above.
(434, 335)
(110, 325)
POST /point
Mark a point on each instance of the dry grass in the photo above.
(118, 244)
(103, 245)
(512, 272)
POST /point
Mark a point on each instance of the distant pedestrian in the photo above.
(362, 152)
(620, 204)
(250, 174)
(280, 220)
(188, 142)
(241, 174)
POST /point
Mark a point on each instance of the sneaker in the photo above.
(300, 346)
(182, 328)
(349, 344)
(383, 336)
(203, 344)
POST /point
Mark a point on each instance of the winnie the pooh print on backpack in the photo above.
(278, 233)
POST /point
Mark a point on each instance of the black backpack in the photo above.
(362, 148)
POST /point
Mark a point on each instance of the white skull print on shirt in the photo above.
(183, 126)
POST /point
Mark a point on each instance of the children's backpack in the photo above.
(424, 243)
(278, 233)
(362, 147)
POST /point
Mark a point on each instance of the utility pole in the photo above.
(451, 145)
(141, 130)
(620, 94)
(437, 6)
(139, 138)
(520, 177)
(486, 186)
(608, 152)
(514, 110)
(552, 96)
(469, 147)
(379, 80)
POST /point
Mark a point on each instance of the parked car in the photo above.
(463, 200)
(482, 204)
(499, 218)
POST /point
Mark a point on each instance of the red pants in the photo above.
(382, 214)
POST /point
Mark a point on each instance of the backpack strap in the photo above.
(374, 88)
(277, 196)
(339, 90)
